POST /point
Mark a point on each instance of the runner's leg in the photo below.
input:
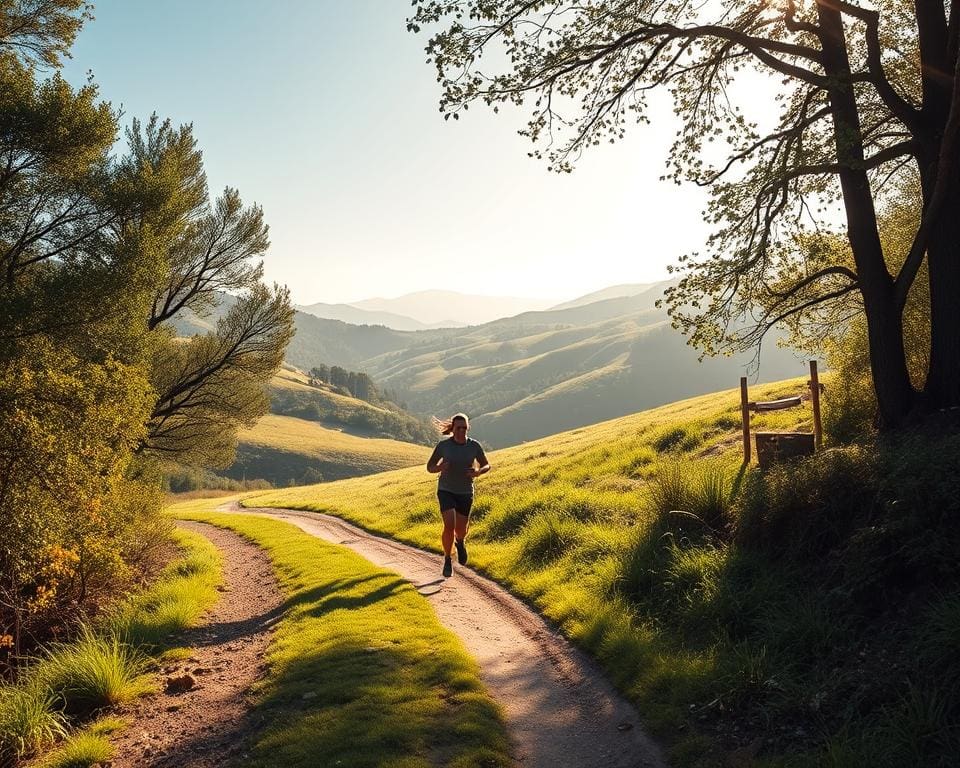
(448, 527)
(461, 526)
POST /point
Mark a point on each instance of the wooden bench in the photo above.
(780, 446)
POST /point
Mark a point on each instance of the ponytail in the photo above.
(445, 426)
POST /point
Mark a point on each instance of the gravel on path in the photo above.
(560, 709)
(202, 715)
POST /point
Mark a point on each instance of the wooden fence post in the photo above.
(745, 415)
(815, 399)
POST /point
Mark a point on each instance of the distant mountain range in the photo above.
(613, 292)
(425, 310)
(538, 372)
(348, 313)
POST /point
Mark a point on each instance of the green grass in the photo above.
(815, 607)
(185, 589)
(81, 750)
(94, 671)
(105, 665)
(361, 673)
(29, 721)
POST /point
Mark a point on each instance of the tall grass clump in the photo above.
(510, 516)
(93, 671)
(180, 595)
(83, 750)
(681, 437)
(711, 495)
(29, 722)
(546, 537)
(938, 644)
(670, 488)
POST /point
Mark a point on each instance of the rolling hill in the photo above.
(533, 374)
(291, 394)
(527, 376)
(287, 450)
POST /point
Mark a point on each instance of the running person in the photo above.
(458, 459)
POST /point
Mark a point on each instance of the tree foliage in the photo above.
(209, 386)
(97, 254)
(866, 96)
(42, 31)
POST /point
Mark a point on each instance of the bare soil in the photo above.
(202, 716)
(560, 710)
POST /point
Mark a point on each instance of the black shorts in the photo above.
(458, 501)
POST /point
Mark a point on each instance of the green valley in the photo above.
(524, 377)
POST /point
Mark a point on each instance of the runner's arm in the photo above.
(484, 465)
(433, 463)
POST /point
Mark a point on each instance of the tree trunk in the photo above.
(891, 380)
(896, 397)
(942, 388)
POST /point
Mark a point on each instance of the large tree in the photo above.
(211, 385)
(97, 254)
(866, 95)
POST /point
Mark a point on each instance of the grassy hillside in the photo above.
(527, 376)
(283, 449)
(805, 616)
(520, 377)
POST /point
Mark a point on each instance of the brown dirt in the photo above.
(560, 710)
(209, 723)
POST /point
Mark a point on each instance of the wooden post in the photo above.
(815, 399)
(745, 415)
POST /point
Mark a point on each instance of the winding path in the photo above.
(560, 710)
(208, 721)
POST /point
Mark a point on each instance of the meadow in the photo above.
(285, 450)
(802, 616)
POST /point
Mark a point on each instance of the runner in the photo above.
(458, 459)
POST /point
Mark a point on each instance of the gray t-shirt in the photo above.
(457, 459)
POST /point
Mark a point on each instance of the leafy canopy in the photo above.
(865, 96)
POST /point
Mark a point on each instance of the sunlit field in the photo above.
(285, 447)
(745, 613)
(560, 521)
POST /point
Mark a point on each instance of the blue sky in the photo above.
(325, 113)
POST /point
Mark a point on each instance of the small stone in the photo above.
(309, 695)
(180, 684)
(624, 726)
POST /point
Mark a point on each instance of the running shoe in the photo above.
(461, 552)
(447, 567)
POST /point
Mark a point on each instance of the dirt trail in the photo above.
(209, 724)
(560, 710)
